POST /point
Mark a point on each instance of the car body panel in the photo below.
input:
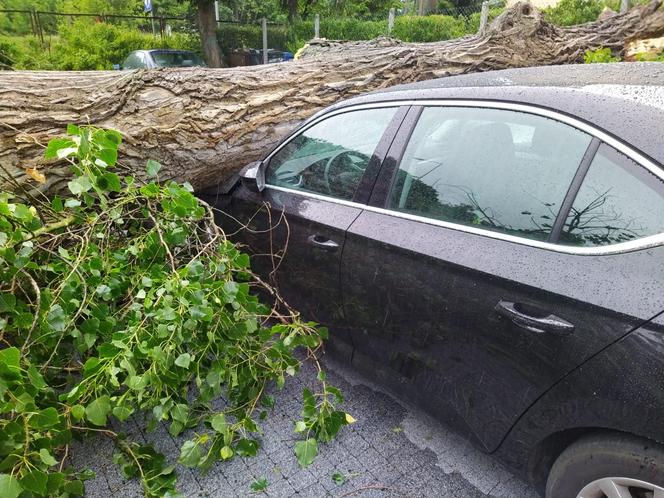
(618, 390)
(431, 330)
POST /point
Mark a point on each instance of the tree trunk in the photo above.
(207, 26)
(203, 124)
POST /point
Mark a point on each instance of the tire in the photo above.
(630, 461)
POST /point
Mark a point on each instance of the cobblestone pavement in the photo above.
(393, 450)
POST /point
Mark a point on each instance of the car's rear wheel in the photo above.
(608, 466)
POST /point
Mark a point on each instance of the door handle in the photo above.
(322, 242)
(529, 318)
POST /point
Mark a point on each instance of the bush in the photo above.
(84, 45)
(428, 28)
(599, 56)
(123, 298)
(571, 12)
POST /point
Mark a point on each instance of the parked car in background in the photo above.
(491, 247)
(150, 59)
(253, 57)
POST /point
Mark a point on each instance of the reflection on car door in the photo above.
(457, 298)
(296, 227)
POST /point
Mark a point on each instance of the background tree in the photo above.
(207, 26)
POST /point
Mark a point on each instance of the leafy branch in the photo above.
(122, 298)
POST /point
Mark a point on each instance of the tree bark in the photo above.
(204, 124)
(207, 26)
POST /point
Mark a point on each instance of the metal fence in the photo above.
(239, 36)
(43, 23)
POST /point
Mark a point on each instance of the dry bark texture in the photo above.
(203, 124)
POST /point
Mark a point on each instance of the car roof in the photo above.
(166, 51)
(625, 100)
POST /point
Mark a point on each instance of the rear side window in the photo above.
(499, 170)
(330, 157)
(618, 201)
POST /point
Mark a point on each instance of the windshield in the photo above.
(176, 59)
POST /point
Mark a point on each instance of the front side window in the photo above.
(618, 201)
(134, 61)
(330, 157)
(499, 170)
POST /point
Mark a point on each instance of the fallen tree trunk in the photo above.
(203, 124)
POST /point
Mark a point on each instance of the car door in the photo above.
(465, 292)
(317, 182)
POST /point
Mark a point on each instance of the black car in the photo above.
(491, 247)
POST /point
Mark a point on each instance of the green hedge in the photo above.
(84, 45)
(406, 28)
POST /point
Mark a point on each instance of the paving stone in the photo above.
(393, 450)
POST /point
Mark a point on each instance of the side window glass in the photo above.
(618, 201)
(494, 169)
(133, 61)
(330, 157)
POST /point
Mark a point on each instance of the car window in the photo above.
(618, 201)
(330, 157)
(134, 61)
(176, 59)
(495, 169)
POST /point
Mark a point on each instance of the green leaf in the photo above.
(122, 413)
(108, 156)
(10, 358)
(246, 447)
(259, 485)
(78, 412)
(44, 418)
(218, 422)
(152, 168)
(190, 454)
(79, 185)
(183, 360)
(300, 426)
(338, 478)
(110, 182)
(9, 486)
(306, 451)
(58, 146)
(56, 318)
(75, 488)
(7, 303)
(47, 458)
(35, 481)
(180, 412)
(97, 411)
(36, 378)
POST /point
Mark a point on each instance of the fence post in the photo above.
(390, 22)
(264, 27)
(317, 26)
(484, 17)
(38, 26)
(624, 6)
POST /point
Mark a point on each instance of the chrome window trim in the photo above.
(640, 159)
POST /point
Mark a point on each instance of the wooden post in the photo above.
(484, 17)
(420, 11)
(264, 26)
(317, 26)
(624, 6)
(390, 21)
